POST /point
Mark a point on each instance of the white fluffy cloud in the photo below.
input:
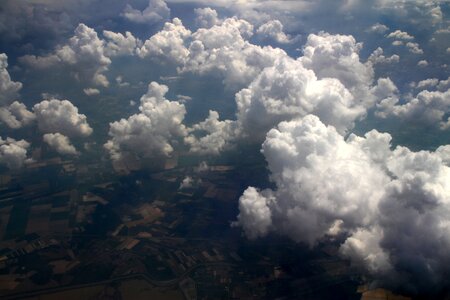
(427, 107)
(289, 90)
(61, 116)
(8, 88)
(377, 57)
(382, 201)
(273, 29)
(60, 143)
(221, 47)
(120, 44)
(378, 28)
(422, 63)
(321, 179)
(329, 81)
(430, 82)
(16, 115)
(400, 35)
(224, 50)
(414, 48)
(84, 54)
(206, 17)
(13, 153)
(337, 56)
(151, 132)
(219, 135)
(167, 43)
(155, 11)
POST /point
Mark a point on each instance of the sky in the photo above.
(348, 101)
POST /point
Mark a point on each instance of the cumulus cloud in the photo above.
(61, 116)
(377, 57)
(16, 115)
(422, 63)
(329, 81)
(84, 55)
(414, 48)
(380, 201)
(218, 135)
(430, 82)
(224, 50)
(378, 28)
(427, 107)
(167, 43)
(337, 56)
(206, 17)
(221, 49)
(120, 44)
(306, 158)
(8, 88)
(13, 153)
(418, 12)
(91, 91)
(288, 90)
(155, 11)
(60, 143)
(150, 133)
(400, 35)
(273, 29)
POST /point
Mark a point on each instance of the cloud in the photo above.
(218, 135)
(255, 215)
(61, 116)
(329, 80)
(422, 63)
(150, 133)
(223, 50)
(91, 91)
(306, 158)
(60, 143)
(427, 107)
(119, 44)
(155, 12)
(167, 43)
(16, 115)
(380, 202)
(206, 17)
(400, 35)
(84, 55)
(8, 88)
(430, 82)
(273, 29)
(287, 91)
(378, 28)
(188, 182)
(13, 153)
(220, 50)
(414, 48)
(377, 57)
(337, 56)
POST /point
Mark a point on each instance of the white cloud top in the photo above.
(60, 143)
(61, 116)
(13, 153)
(152, 131)
(359, 187)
